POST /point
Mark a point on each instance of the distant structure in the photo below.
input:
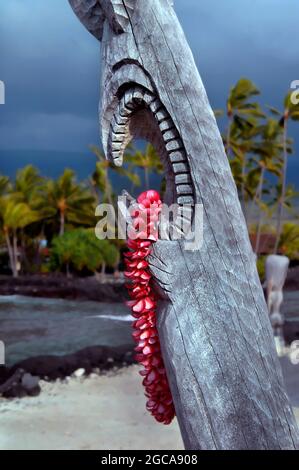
(276, 272)
(266, 243)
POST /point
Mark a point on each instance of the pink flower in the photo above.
(143, 305)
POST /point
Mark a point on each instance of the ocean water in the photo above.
(32, 326)
(52, 163)
(36, 326)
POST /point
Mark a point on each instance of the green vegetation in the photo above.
(48, 224)
(258, 146)
(79, 249)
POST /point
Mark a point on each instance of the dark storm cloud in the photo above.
(51, 70)
(50, 64)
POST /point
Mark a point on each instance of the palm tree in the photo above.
(148, 160)
(28, 184)
(15, 216)
(242, 141)
(289, 196)
(289, 240)
(68, 201)
(240, 110)
(243, 123)
(27, 188)
(17, 211)
(5, 185)
(268, 150)
(291, 111)
(100, 179)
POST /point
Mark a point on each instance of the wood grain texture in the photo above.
(214, 328)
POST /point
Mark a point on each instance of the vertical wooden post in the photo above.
(214, 328)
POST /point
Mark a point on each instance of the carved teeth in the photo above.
(174, 145)
(161, 115)
(178, 156)
(128, 99)
(155, 105)
(118, 129)
(185, 200)
(184, 189)
(124, 112)
(128, 104)
(131, 106)
(117, 146)
(138, 96)
(125, 109)
(148, 98)
(119, 120)
(180, 168)
(166, 125)
(117, 137)
(182, 178)
(117, 158)
(170, 135)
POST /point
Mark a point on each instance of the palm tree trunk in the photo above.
(283, 188)
(258, 199)
(10, 253)
(227, 147)
(62, 223)
(15, 254)
(24, 259)
(258, 234)
(94, 191)
(108, 191)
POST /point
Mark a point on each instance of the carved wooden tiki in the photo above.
(216, 337)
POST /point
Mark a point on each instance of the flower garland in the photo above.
(143, 305)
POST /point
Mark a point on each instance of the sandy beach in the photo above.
(97, 412)
(105, 412)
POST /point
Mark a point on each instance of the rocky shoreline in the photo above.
(87, 288)
(59, 286)
(22, 379)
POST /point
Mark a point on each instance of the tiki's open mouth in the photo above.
(141, 114)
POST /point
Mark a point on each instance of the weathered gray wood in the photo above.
(214, 328)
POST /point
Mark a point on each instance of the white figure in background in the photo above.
(276, 273)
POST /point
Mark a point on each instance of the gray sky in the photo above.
(50, 64)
